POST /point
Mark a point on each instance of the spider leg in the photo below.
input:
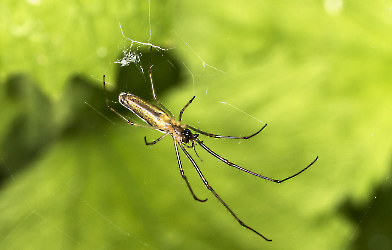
(223, 136)
(152, 87)
(194, 148)
(248, 171)
(183, 109)
(153, 142)
(183, 174)
(216, 195)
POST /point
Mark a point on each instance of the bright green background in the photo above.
(321, 79)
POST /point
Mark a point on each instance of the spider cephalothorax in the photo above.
(188, 136)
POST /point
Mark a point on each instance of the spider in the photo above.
(160, 118)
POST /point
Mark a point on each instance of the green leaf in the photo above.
(74, 175)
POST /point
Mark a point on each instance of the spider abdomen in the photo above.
(146, 111)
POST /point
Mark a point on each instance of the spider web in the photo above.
(103, 215)
(72, 189)
(132, 56)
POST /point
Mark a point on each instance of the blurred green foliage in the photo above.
(73, 175)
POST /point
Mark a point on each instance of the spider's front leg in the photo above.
(183, 174)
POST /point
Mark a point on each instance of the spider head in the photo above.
(187, 135)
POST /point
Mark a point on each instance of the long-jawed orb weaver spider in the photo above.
(161, 119)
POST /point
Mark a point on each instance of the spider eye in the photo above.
(188, 135)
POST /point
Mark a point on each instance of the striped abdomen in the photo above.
(146, 111)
